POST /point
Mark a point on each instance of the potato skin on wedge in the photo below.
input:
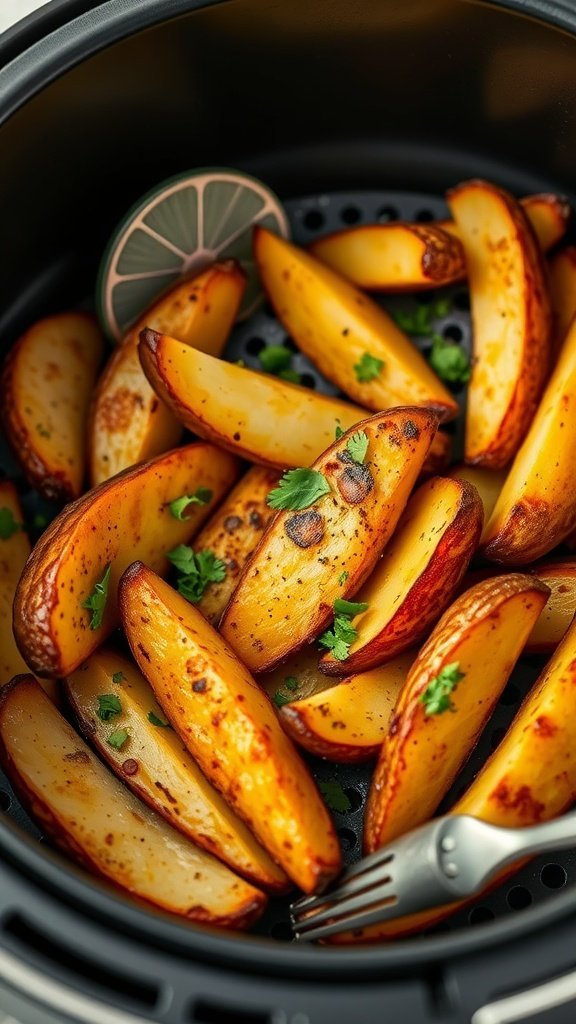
(416, 577)
(45, 391)
(95, 819)
(337, 326)
(548, 214)
(156, 766)
(511, 321)
(128, 422)
(286, 593)
(229, 727)
(482, 634)
(123, 518)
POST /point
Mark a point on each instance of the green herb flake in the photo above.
(118, 738)
(40, 521)
(338, 432)
(436, 697)
(334, 796)
(290, 375)
(343, 577)
(357, 446)
(339, 639)
(368, 368)
(198, 569)
(108, 705)
(350, 608)
(298, 488)
(442, 307)
(118, 677)
(154, 720)
(178, 507)
(275, 358)
(449, 361)
(291, 683)
(96, 602)
(280, 699)
(8, 525)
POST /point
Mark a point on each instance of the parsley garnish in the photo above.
(357, 446)
(291, 684)
(96, 602)
(368, 368)
(198, 569)
(339, 639)
(449, 361)
(343, 577)
(201, 496)
(280, 699)
(118, 677)
(350, 608)
(334, 796)
(118, 738)
(108, 706)
(277, 359)
(436, 696)
(154, 720)
(8, 525)
(298, 488)
(290, 375)
(419, 321)
(338, 432)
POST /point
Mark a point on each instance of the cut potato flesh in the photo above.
(562, 285)
(129, 423)
(479, 640)
(344, 333)
(488, 483)
(45, 392)
(560, 608)
(511, 321)
(93, 817)
(123, 518)
(229, 727)
(548, 214)
(416, 577)
(155, 764)
(286, 594)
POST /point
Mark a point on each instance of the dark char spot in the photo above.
(305, 528)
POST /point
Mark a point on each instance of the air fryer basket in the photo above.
(369, 111)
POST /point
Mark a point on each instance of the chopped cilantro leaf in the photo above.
(334, 796)
(368, 368)
(290, 375)
(178, 507)
(275, 358)
(350, 608)
(339, 639)
(118, 738)
(154, 720)
(280, 699)
(291, 683)
(108, 706)
(442, 306)
(8, 525)
(343, 577)
(298, 488)
(118, 677)
(198, 569)
(338, 432)
(96, 601)
(357, 446)
(436, 697)
(449, 361)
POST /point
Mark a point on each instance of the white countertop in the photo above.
(12, 10)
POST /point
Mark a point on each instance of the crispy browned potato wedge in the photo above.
(536, 508)
(229, 727)
(45, 391)
(94, 818)
(286, 593)
(348, 722)
(393, 257)
(448, 697)
(351, 340)
(416, 577)
(123, 518)
(488, 483)
(548, 214)
(128, 422)
(154, 763)
(562, 285)
(511, 321)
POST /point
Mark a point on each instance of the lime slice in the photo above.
(177, 230)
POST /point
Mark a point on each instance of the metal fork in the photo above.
(446, 860)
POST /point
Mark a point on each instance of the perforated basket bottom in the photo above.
(310, 218)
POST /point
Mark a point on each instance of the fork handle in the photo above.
(552, 835)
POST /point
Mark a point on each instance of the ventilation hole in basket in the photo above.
(348, 839)
(386, 213)
(462, 301)
(553, 876)
(480, 915)
(350, 215)
(5, 800)
(307, 380)
(518, 897)
(454, 332)
(424, 216)
(497, 737)
(355, 797)
(510, 696)
(314, 220)
(255, 345)
(288, 343)
(281, 930)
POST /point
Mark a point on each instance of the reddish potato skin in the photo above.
(339, 753)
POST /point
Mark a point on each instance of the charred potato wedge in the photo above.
(562, 286)
(511, 321)
(351, 340)
(448, 697)
(45, 392)
(548, 215)
(416, 577)
(286, 593)
(123, 518)
(93, 818)
(229, 727)
(154, 763)
(128, 423)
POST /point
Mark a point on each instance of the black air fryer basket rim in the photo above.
(39, 50)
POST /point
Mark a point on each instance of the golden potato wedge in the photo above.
(448, 697)
(93, 817)
(560, 608)
(351, 340)
(45, 392)
(304, 678)
(511, 321)
(286, 593)
(488, 483)
(155, 765)
(393, 257)
(548, 214)
(536, 508)
(123, 518)
(128, 423)
(229, 727)
(416, 577)
(562, 287)
(348, 722)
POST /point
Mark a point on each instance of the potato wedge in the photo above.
(548, 214)
(286, 593)
(448, 697)
(123, 518)
(351, 340)
(393, 257)
(93, 817)
(156, 766)
(560, 608)
(562, 286)
(304, 678)
(348, 722)
(45, 392)
(511, 321)
(416, 577)
(229, 727)
(488, 483)
(128, 423)
(439, 456)
(536, 508)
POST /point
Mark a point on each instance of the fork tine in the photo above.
(360, 883)
(343, 907)
(358, 876)
(374, 915)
